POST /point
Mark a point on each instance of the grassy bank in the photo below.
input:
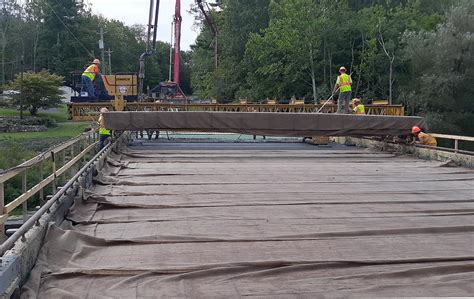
(21, 146)
(63, 130)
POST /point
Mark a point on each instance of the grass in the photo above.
(63, 130)
(60, 115)
(32, 143)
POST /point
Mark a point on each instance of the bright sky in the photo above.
(133, 12)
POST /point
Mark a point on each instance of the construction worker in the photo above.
(344, 84)
(104, 134)
(88, 78)
(359, 108)
(423, 138)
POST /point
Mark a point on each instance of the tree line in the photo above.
(412, 52)
(61, 36)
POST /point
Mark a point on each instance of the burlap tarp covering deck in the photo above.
(269, 124)
(264, 223)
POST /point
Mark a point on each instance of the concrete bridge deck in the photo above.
(270, 220)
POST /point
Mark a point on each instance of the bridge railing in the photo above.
(53, 167)
(90, 111)
(456, 140)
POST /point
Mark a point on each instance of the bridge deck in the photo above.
(267, 220)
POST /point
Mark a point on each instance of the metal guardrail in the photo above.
(456, 139)
(57, 160)
(90, 111)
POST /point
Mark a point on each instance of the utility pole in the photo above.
(21, 86)
(109, 53)
(102, 51)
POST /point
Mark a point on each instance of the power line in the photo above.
(54, 12)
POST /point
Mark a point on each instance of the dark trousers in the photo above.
(346, 97)
(88, 86)
(104, 140)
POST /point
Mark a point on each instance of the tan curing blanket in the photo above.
(264, 223)
(268, 124)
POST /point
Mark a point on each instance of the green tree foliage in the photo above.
(394, 49)
(39, 90)
(441, 62)
(235, 21)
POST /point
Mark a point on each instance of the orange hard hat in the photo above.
(415, 130)
(96, 61)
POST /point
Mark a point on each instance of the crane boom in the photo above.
(150, 45)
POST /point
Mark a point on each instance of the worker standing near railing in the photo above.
(344, 84)
(103, 132)
(423, 138)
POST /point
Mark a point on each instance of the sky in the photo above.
(133, 12)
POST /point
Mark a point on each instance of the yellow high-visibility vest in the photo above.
(359, 109)
(102, 129)
(344, 81)
(91, 71)
(427, 139)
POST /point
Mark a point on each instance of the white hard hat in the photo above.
(96, 61)
(342, 68)
(103, 110)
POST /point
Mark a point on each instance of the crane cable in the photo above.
(54, 12)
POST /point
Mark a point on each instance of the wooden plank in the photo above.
(3, 219)
(10, 173)
(66, 166)
(28, 194)
(25, 196)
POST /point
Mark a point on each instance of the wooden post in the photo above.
(41, 193)
(63, 161)
(54, 184)
(71, 172)
(2, 205)
(24, 187)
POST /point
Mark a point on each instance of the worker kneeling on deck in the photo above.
(88, 78)
(423, 138)
(103, 132)
(359, 108)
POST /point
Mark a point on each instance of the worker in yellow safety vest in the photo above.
(423, 138)
(88, 78)
(104, 134)
(359, 108)
(344, 84)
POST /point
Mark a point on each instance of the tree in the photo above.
(38, 90)
(440, 63)
(9, 15)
